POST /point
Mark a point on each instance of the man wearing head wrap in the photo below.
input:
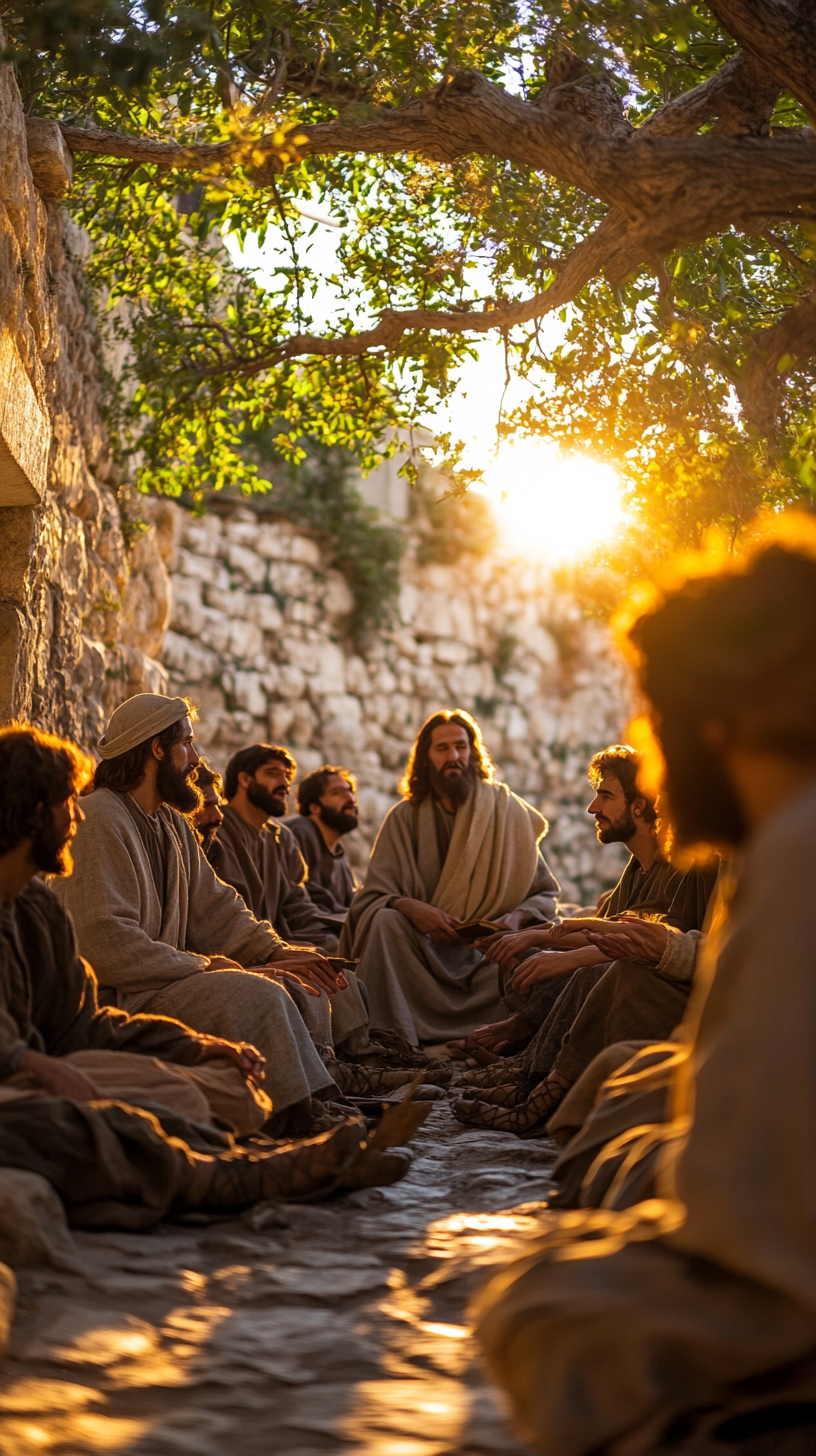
(157, 924)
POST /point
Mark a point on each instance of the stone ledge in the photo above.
(25, 432)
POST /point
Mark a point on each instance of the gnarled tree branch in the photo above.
(782, 35)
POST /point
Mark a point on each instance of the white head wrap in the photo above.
(138, 719)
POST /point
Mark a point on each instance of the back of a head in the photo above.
(732, 645)
(740, 646)
(249, 760)
(37, 771)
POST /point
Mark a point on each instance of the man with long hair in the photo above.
(459, 848)
(682, 1315)
(165, 935)
(84, 1102)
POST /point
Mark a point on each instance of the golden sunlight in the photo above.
(553, 506)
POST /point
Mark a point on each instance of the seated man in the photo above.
(114, 1164)
(165, 935)
(54, 1036)
(675, 1322)
(535, 961)
(327, 810)
(459, 848)
(260, 858)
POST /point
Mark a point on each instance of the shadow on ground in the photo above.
(299, 1330)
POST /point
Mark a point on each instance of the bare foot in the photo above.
(493, 1037)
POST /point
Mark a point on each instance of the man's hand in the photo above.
(545, 966)
(506, 949)
(631, 940)
(580, 924)
(247, 1058)
(308, 966)
(430, 921)
(59, 1077)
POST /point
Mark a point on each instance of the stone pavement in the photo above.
(296, 1331)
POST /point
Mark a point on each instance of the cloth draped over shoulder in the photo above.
(491, 865)
(735, 1167)
(137, 940)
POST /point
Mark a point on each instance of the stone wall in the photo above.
(258, 639)
(81, 619)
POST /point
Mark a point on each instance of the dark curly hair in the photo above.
(416, 783)
(249, 760)
(37, 771)
(313, 787)
(126, 772)
(623, 763)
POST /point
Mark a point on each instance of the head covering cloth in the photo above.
(139, 719)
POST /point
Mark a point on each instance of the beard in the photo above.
(455, 785)
(208, 834)
(615, 831)
(702, 805)
(174, 788)
(51, 851)
(272, 802)
(341, 820)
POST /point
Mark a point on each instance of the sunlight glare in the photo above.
(556, 507)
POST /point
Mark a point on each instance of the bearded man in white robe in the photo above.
(460, 847)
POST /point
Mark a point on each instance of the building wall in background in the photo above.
(257, 638)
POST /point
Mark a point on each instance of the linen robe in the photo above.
(153, 953)
(429, 990)
(706, 1295)
(49, 1004)
(267, 869)
(331, 881)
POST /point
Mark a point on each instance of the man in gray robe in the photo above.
(260, 858)
(164, 934)
(327, 811)
(459, 848)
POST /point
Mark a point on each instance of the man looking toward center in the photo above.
(459, 847)
(259, 857)
(164, 934)
(327, 812)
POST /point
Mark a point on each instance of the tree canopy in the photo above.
(644, 168)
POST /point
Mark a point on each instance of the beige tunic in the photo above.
(693, 1298)
(152, 953)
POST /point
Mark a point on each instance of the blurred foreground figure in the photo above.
(642, 1326)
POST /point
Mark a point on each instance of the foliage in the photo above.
(320, 495)
(450, 526)
(649, 370)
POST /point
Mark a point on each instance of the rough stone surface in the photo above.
(80, 617)
(258, 638)
(33, 1229)
(336, 1327)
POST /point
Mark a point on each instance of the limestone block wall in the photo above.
(258, 639)
(81, 618)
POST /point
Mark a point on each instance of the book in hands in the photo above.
(478, 929)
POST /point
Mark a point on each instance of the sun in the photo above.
(554, 506)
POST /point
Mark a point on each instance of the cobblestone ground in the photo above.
(296, 1331)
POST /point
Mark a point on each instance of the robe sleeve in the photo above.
(540, 899)
(219, 922)
(680, 956)
(296, 909)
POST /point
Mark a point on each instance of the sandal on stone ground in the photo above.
(307, 1169)
(529, 1118)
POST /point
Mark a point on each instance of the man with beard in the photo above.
(260, 858)
(601, 1003)
(682, 1316)
(209, 818)
(459, 848)
(327, 811)
(83, 1100)
(165, 935)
